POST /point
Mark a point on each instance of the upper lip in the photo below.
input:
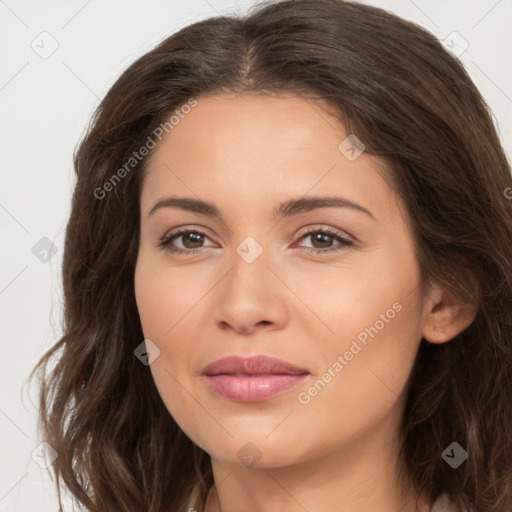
(255, 365)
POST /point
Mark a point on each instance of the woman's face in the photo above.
(248, 283)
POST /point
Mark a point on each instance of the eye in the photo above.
(190, 237)
(192, 240)
(323, 237)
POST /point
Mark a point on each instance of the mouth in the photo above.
(252, 379)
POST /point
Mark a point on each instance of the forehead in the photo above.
(251, 149)
(251, 127)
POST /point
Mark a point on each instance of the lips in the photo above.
(256, 365)
(252, 379)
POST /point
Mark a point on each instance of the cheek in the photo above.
(374, 315)
(165, 296)
(159, 307)
(365, 388)
(160, 303)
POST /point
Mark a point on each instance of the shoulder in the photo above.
(444, 504)
(193, 502)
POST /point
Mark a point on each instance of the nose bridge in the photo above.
(250, 250)
(249, 270)
(249, 293)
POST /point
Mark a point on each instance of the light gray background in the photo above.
(45, 107)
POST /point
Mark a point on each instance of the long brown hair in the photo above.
(412, 103)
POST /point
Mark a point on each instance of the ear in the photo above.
(446, 316)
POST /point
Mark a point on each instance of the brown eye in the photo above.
(192, 240)
(322, 240)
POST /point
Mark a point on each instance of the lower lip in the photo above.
(253, 388)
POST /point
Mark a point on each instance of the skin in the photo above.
(246, 154)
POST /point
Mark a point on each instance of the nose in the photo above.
(251, 298)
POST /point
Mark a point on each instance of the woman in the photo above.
(287, 276)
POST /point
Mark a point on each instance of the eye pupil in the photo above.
(320, 237)
(198, 240)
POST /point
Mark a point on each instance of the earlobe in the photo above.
(448, 317)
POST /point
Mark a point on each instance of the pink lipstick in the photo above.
(252, 379)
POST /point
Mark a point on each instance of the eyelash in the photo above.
(165, 241)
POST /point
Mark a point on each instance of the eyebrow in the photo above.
(284, 209)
